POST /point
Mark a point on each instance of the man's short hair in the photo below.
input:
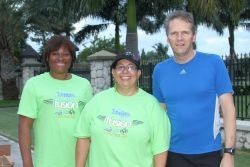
(180, 14)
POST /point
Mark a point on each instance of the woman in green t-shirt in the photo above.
(50, 105)
(123, 126)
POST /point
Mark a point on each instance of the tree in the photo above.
(131, 35)
(12, 38)
(151, 17)
(110, 13)
(155, 56)
(148, 15)
(96, 45)
(161, 50)
(47, 17)
(219, 14)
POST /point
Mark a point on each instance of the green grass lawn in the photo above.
(9, 121)
(242, 158)
(9, 103)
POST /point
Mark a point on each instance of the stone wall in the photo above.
(242, 134)
(100, 70)
(100, 75)
(29, 66)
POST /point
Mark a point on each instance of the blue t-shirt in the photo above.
(190, 92)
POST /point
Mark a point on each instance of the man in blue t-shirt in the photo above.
(192, 86)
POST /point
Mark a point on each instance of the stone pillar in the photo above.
(29, 66)
(100, 70)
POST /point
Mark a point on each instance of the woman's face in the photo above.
(126, 74)
(59, 62)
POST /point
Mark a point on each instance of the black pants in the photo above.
(211, 159)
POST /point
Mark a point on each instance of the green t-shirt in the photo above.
(125, 131)
(55, 106)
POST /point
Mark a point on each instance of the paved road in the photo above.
(15, 152)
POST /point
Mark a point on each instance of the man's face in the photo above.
(181, 37)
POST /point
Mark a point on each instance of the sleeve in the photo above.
(223, 82)
(89, 92)
(84, 122)
(156, 86)
(28, 103)
(160, 131)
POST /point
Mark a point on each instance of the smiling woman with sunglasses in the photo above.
(124, 125)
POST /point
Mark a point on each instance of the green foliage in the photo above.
(98, 44)
(158, 54)
(12, 26)
(242, 158)
(219, 15)
(8, 122)
(242, 89)
(48, 17)
(9, 103)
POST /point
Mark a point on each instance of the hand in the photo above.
(227, 160)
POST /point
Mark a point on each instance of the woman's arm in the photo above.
(160, 159)
(82, 148)
(24, 136)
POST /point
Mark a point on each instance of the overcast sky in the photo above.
(207, 39)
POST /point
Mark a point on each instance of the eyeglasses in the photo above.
(130, 68)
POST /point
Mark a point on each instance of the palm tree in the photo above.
(148, 15)
(219, 14)
(12, 36)
(131, 35)
(46, 17)
(109, 10)
(110, 13)
(161, 50)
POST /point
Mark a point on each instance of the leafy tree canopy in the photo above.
(159, 53)
(96, 45)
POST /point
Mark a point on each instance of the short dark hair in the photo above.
(183, 15)
(54, 43)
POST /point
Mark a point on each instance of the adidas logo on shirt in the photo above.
(182, 72)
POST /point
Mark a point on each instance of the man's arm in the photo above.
(229, 119)
(160, 159)
(24, 136)
(82, 148)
